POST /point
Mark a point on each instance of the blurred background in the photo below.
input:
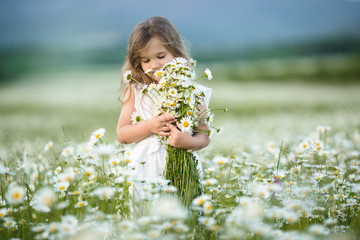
(281, 67)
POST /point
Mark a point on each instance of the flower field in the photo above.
(306, 189)
(274, 173)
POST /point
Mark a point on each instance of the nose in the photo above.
(155, 65)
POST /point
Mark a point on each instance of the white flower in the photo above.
(210, 181)
(67, 151)
(16, 194)
(127, 76)
(135, 118)
(57, 170)
(3, 212)
(169, 207)
(173, 92)
(208, 74)
(104, 192)
(81, 204)
(200, 200)
(318, 176)
(318, 229)
(186, 125)
(69, 225)
(95, 136)
(61, 186)
(45, 197)
(48, 146)
(280, 174)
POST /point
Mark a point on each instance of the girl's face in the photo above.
(154, 56)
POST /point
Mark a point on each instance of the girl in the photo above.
(153, 43)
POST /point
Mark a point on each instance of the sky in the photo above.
(84, 24)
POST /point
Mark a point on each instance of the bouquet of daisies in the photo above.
(178, 94)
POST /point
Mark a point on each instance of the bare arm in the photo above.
(128, 133)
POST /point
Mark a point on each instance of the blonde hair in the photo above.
(139, 40)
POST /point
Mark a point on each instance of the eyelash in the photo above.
(160, 57)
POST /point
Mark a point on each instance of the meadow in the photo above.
(286, 165)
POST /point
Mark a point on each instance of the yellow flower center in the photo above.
(185, 124)
(75, 192)
(278, 176)
(114, 162)
(61, 187)
(87, 173)
(172, 92)
(80, 204)
(98, 135)
(16, 195)
(127, 160)
(201, 201)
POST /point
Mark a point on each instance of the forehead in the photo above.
(154, 47)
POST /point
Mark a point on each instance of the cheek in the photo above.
(144, 66)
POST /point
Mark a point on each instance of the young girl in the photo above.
(153, 43)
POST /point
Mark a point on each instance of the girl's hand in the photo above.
(159, 124)
(178, 138)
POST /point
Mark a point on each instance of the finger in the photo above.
(171, 127)
(164, 134)
(167, 117)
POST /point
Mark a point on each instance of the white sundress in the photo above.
(149, 154)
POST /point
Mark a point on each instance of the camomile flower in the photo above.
(48, 146)
(96, 135)
(210, 181)
(159, 73)
(45, 197)
(57, 170)
(136, 118)
(280, 174)
(61, 186)
(318, 176)
(16, 194)
(173, 92)
(199, 201)
(67, 151)
(169, 208)
(127, 76)
(104, 193)
(220, 160)
(186, 125)
(81, 204)
(208, 74)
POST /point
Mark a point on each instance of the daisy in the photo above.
(186, 125)
(208, 74)
(173, 92)
(81, 204)
(16, 194)
(318, 176)
(104, 192)
(127, 76)
(61, 186)
(210, 181)
(57, 170)
(3, 212)
(67, 151)
(200, 200)
(136, 118)
(98, 133)
(45, 197)
(48, 146)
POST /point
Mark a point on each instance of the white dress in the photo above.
(149, 154)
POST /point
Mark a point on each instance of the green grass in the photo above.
(68, 106)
